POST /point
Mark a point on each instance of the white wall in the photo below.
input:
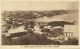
(72, 28)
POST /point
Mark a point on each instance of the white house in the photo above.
(71, 30)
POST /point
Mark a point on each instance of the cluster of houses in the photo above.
(53, 28)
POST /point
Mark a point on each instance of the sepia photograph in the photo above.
(40, 23)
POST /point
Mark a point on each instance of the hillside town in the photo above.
(39, 28)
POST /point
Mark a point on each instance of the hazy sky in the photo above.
(43, 5)
(38, 5)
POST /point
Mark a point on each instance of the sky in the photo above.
(38, 5)
(43, 5)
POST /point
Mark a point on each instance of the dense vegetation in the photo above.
(18, 18)
(15, 19)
